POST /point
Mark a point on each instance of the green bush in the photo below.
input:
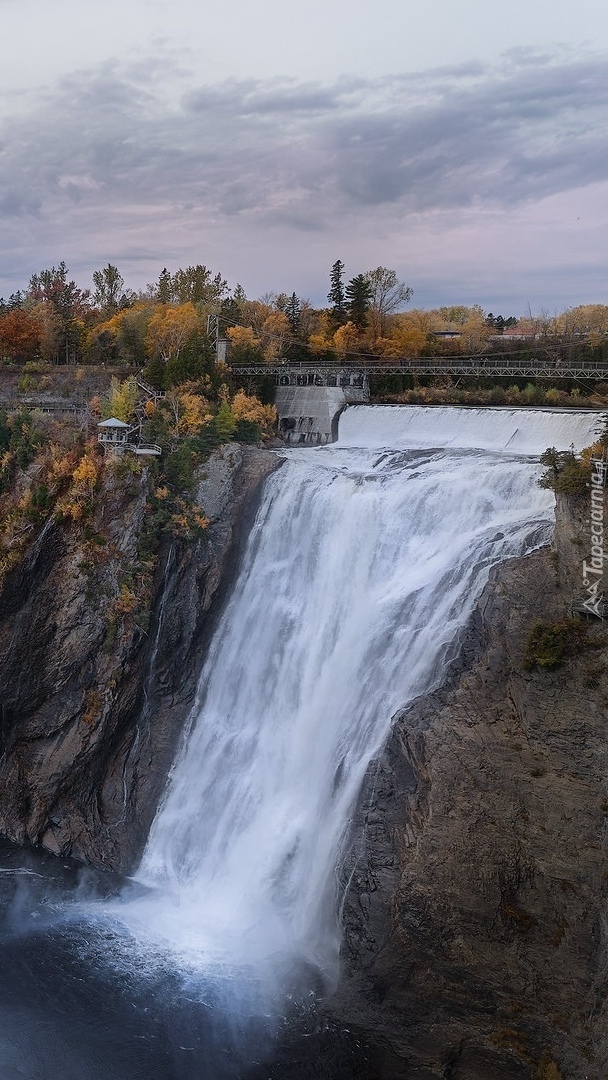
(549, 644)
(566, 474)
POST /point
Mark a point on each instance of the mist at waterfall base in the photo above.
(363, 565)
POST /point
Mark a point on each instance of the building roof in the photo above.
(112, 422)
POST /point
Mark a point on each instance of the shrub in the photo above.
(566, 474)
(549, 644)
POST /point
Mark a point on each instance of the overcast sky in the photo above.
(460, 143)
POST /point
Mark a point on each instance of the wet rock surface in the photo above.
(475, 943)
(94, 697)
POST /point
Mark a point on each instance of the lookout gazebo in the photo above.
(113, 433)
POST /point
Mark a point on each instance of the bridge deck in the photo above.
(307, 373)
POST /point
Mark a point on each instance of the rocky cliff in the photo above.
(475, 923)
(99, 656)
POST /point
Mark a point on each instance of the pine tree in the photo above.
(337, 295)
(292, 311)
(358, 296)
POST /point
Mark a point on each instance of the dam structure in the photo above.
(309, 402)
(310, 396)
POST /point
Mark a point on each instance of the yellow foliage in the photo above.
(597, 450)
(170, 328)
(245, 407)
(200, 520)
(276, 331)
(318, 343)
(346, 339)
(149, 408)
(86, 472)
(70, 508)
(403, 341)
(242, 336)
(126, 601)
(195, 413)
(121, 399)
(162, 493)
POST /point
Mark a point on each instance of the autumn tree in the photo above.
(109, 293)
(120, 400)
(249, 408)
(276, 334)
(65, 300)
(387, 295)
(20, 335)
(346, 339)
(170, 329)
(189, 412)
(245, 345)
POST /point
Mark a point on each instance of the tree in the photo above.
(15, 300)
(276, 333)
(251, 409)
(20, 335)
(189, 412)
(109, 289)
(346, 339)
(245, 347)
(358, 297)
(120, 400)
(292, 311)
(194, 285)
(170, 329)
(64, 298)
(387, 295)
(337, 295)
(162, 291)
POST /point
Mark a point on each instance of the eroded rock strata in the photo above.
(475, 922)
(98, 668)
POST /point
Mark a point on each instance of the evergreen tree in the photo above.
(292, 311)
(164, 287)
(337, 294)
(358, 296)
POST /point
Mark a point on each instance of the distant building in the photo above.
(521, 332)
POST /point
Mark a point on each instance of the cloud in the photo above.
(112, 151)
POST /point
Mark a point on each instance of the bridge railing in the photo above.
(477, 366)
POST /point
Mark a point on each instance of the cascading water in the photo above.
(362, 566)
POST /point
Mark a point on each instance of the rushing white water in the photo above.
(361, 568)
(519, 431)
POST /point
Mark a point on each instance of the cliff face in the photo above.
(475, 923)
(97, 682)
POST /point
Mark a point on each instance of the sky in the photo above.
(462, 144)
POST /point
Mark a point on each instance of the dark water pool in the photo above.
(79, 1001)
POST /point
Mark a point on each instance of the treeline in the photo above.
(178, 326)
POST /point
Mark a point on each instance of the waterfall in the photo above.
(365, 560)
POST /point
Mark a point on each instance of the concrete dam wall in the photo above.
(308, 415)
